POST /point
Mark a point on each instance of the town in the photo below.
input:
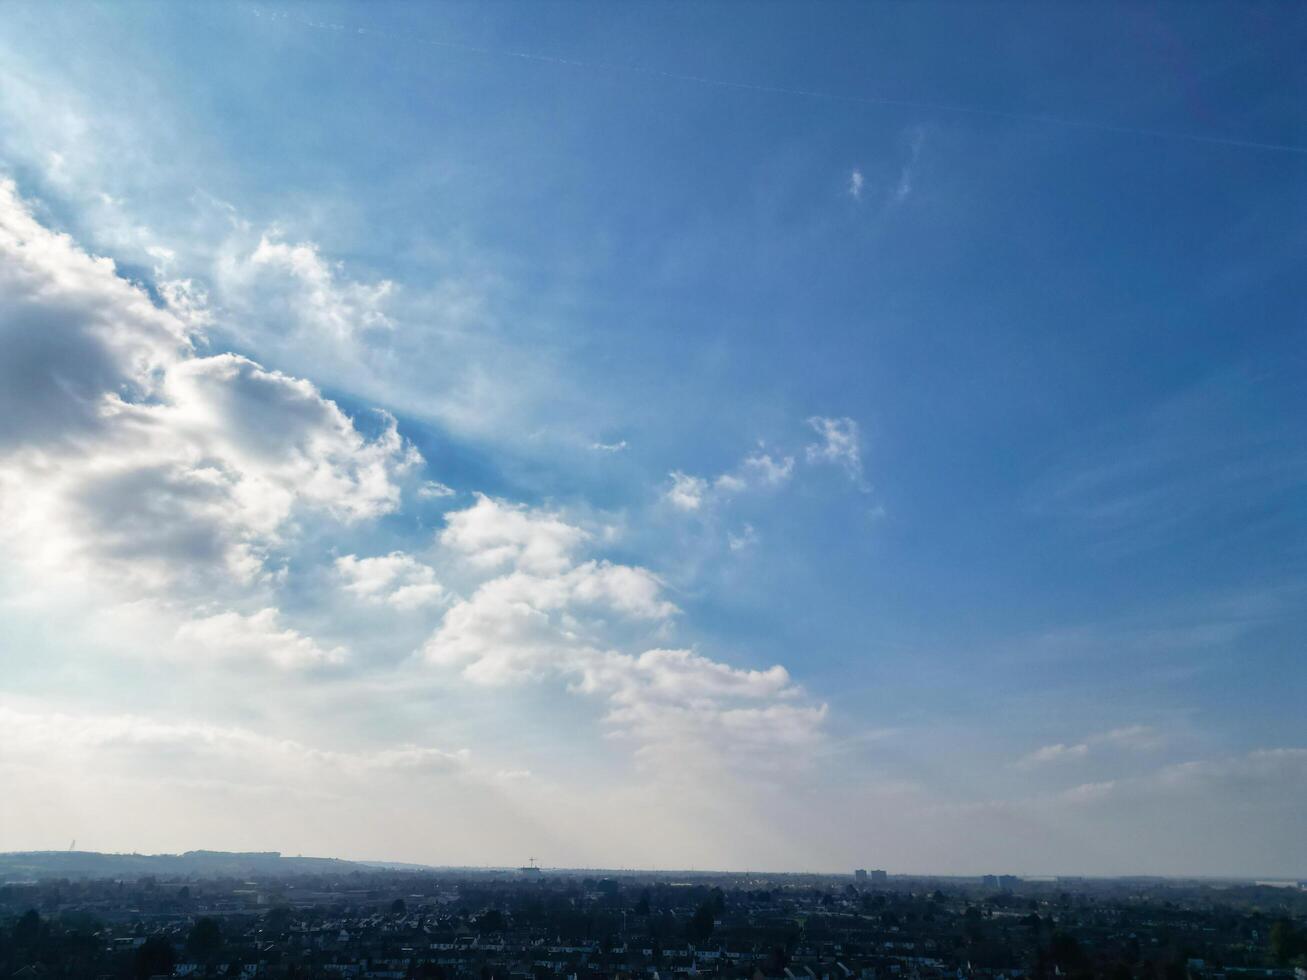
(536, 924)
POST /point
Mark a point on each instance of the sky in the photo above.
(648, 435)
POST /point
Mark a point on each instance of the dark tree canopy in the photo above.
(1287, 942)
(155, 956)
(701, 924)
(205, 939)
(27, 930)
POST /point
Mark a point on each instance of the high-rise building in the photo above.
(860, 875)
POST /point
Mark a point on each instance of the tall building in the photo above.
(860, 875)
(878, 875)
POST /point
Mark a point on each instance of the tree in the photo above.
(153, 957)
(205, 938)
(701, 924)
(780, 959)
(1065, 951)
(27, 930)
(1286, 941)
(278, 920)
(398, 907)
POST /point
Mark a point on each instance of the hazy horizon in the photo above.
(814, 436)
(1032, 876)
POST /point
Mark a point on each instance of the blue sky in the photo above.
(629, 433)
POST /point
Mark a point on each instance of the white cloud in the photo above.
(609, 447)
(903, 188)
(434, 490)
(841, 444)
(74, 333)
(856, 182)
(1135, 738)
(765, 470)
(757, 471)
(128, 461)
(1237, 778)
(686, 492)
(494, 533)
(171, 750)
(230, 636)
(686, 710)
(312, 293)
(524, 625)
(1058, 752)
(567, 620)
(396, 579)
(729, 483)
(746, 538)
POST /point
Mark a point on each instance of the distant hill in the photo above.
(35, 865)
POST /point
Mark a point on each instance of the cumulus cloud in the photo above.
(568, 619)
(686, 492)
(131, 463)
(181, 483)
(396, 579)
(494, 533)
(74, 334)
(257, 637)
(685, 709)
(311, 293)
(523, 625)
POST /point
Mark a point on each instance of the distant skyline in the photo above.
(642, 435)
(201, 862)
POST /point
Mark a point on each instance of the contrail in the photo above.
(804, 93)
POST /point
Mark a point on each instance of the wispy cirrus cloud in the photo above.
(1133, 738)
